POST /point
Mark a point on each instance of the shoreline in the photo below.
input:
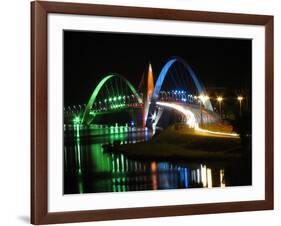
(185, 144)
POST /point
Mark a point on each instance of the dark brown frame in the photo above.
(39, 107)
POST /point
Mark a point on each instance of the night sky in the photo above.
(88, 56)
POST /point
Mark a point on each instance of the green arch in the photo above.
(85, 118)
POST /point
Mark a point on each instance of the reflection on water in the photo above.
(89, 168)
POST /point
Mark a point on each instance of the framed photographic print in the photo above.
(145, 112)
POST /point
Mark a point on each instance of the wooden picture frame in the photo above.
(39, 109)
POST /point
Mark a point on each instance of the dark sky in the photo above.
(88, 56)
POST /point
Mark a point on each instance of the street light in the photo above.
(240, 98)
(219, 100)
(76, 120)
(204, 98)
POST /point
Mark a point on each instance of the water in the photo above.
(89, 168)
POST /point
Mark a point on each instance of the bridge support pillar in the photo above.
(143, 117)
(151, 110)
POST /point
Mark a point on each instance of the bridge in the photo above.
(177, 88)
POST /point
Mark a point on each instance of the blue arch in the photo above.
(163, 73)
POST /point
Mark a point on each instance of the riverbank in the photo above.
(181, 142)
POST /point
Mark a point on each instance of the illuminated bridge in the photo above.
(177, 88)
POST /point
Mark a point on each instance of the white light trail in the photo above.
(191, 120)
(217, 133)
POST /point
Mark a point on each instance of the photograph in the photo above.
(155, 112)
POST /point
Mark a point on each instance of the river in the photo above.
(89, 168)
